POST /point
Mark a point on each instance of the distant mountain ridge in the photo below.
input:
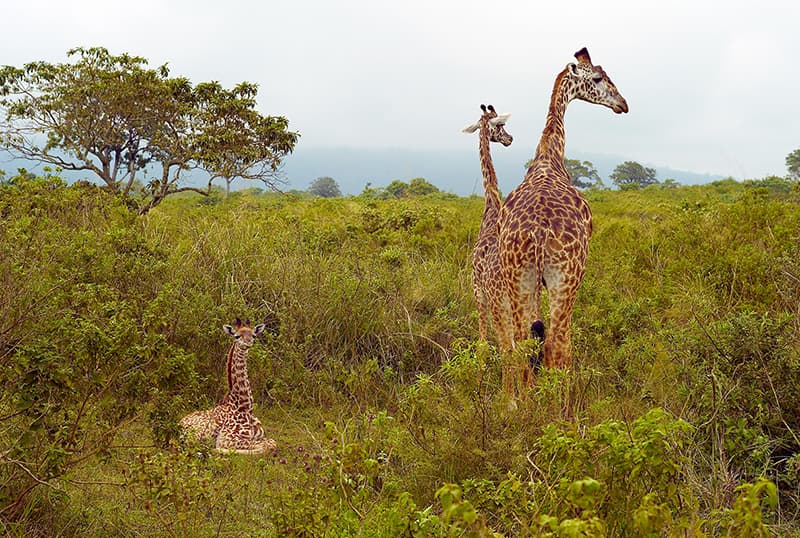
(456, 171)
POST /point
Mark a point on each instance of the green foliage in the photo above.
(632, 175)
(793, 164)
(626, 462)
(326, 187)
(583, 174)
(746, 517)
(233, 140)
(113, 117)
(400, 189)
(678, 418)
(77, 277)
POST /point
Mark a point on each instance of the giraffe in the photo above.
(485, 263)
(231, 425)
(545, 223)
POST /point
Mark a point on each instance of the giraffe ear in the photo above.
(258, 330)
(471, 128)
(229, 330)
(500, 119)
(573, 69)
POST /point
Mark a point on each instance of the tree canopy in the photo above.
(632, 175)
(325, 187)
(793, 164)
(419, 186)
(583, 174)
(137, 129)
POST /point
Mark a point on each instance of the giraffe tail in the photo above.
(537, 333)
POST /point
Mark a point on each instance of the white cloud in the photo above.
(711, 85)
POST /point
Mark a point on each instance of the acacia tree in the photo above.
(325, 187)
(115, 117)
(235, 141)
(583, 174)
(793, 164)
(632, 175)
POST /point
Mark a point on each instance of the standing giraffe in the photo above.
(231, 425)
(486, 282)
(545, 223)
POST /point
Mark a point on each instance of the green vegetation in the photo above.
(114, 117)
(582, 173)
(680, 418)
(419, 186)
(793, 164)
(632, 175)
(325, 187)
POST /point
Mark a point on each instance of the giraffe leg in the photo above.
(202, 425)
(558, 345)
(527, 305)
(245, 435)
(530, 325)
(513, 317)
(483, 312)
(503, 328)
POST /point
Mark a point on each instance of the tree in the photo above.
(325, 187)
(419, 186)
(235, 141)
(582, 173)
(397, 189)
(793, 164)
(115, 117)
(632, 175)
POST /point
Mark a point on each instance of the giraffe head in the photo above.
(590, 83)
(242, 333)
(496, 124)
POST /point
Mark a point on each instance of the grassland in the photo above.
(680, 417)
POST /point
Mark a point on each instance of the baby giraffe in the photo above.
(231, 425)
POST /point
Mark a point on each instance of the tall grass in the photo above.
(680, 416)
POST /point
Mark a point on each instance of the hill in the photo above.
(452, 171)
(457, 172)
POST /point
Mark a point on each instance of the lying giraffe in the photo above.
(231, 425)
(545, 223)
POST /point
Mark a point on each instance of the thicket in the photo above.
(681, 416)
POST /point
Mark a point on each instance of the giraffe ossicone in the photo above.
(545, 223)
(231, 425)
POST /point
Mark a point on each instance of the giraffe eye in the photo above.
(597, 80)
(237, 336)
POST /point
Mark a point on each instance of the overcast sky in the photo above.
(712, 87)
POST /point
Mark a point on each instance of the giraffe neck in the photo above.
(550, 151)
(238, 383)
(491, 208)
